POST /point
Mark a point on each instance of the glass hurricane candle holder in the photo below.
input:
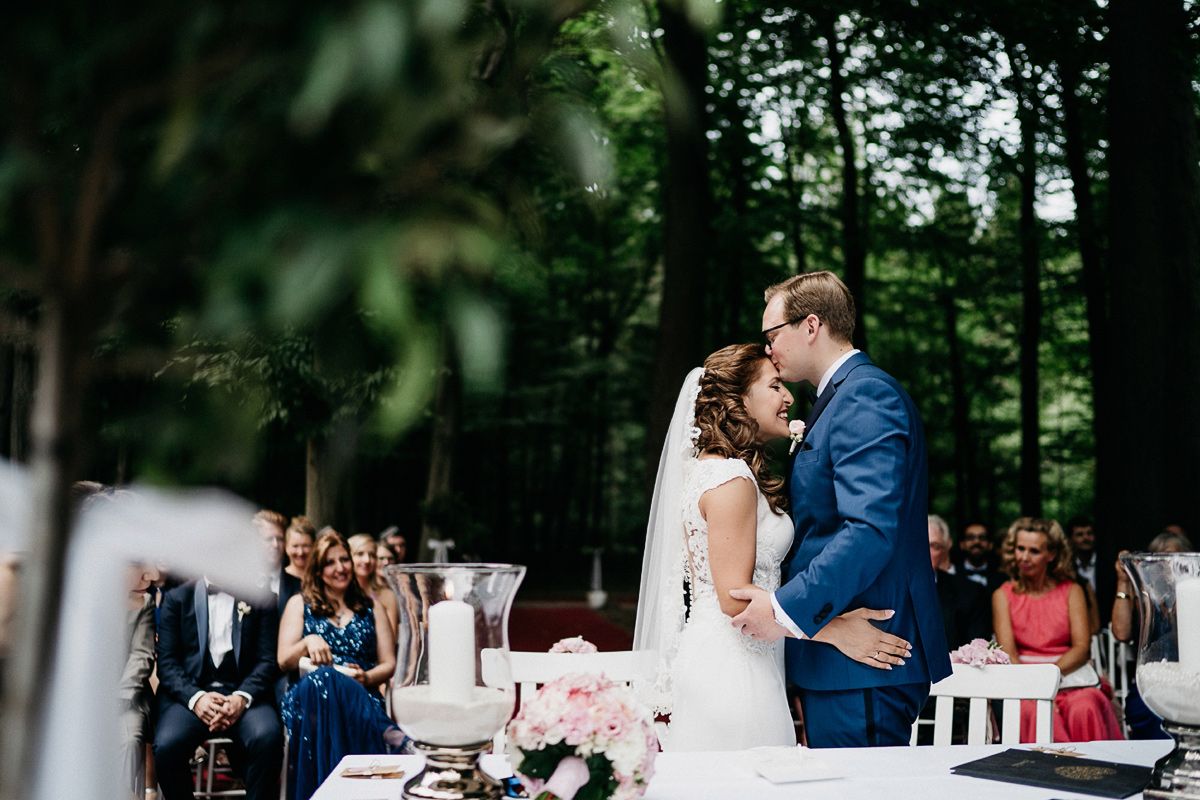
(1167, 591)
(450, 614)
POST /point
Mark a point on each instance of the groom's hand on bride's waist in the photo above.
(758, 619)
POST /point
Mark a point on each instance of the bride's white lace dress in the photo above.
(727, 689)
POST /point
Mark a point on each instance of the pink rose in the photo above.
(796, 427)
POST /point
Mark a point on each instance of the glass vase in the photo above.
(1167, 593)
(453, 690)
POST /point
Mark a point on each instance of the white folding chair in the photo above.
(1011, 683)
(202, 777)
(1117, 663)
(529, 670)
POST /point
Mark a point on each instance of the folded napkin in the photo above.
(792, 765)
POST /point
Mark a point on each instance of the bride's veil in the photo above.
(660, 612)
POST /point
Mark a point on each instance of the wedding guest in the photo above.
(395, 540)
(297, 544)
(216, 670)
(363, 552)
(1040, 616)
(335, 710)
(271, 527)
(1143, 723)
(134, 689)
(965, 611)
(1100, 586)
(384, 555)
(976, 557)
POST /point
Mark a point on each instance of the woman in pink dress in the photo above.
(1041, 617)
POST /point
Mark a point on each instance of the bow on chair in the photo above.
(441, 550)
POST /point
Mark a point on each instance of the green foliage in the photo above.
(542, 763)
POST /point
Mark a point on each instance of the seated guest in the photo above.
(976, 559)
(1143, 723)
(1040, 616)
(384, 556)
(363, 551)
(396, 541)
(1097, 583)
(297, 544)
(271, 527)
(134, 688)
(335, 710)
(965, 611)
(216, 672)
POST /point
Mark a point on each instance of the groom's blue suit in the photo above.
(858, 489)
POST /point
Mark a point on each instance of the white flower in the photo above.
(243, 609)
(796, 434)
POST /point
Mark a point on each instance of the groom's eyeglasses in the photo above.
(767, 333)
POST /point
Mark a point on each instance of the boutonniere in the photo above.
(243, 609)
(796, 434)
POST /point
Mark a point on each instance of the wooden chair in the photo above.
(1010, 683)
(529, 670)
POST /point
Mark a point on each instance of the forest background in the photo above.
(443, 264)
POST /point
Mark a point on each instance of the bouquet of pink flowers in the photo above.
(584, 737)
(979, 653)
(573, 644)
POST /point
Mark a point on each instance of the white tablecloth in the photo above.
(882, 773)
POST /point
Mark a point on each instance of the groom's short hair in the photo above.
(821, 293)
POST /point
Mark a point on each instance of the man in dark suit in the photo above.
(217, 671)
(1090, 568)
(966, 606)
(976, 558)
(858, 494)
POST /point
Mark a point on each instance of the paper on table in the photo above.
(792, 765)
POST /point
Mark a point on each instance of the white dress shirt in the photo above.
(1087, 570)
(220, 634)
(780, 616)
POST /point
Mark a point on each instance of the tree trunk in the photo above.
(854, 254)
(1091, 255)
(23, 377)
(7, 369)
(795, 195)
(320, 494)
(58, 448)
(1031, 296)
(966, 495)
(443, 442)
(687, 237)
(1148, 472)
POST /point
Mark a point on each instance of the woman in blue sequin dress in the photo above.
(336, 709)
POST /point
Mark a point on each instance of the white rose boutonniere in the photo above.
(796, 434)
(243, 609)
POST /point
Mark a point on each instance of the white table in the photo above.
(871, 774)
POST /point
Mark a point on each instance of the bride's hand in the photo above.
(856, 637)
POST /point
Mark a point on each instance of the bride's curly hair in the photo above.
(726, 427)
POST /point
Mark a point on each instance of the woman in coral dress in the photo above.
(1041, 617)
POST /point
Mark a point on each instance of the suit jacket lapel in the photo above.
(819, 407)
(200, 604)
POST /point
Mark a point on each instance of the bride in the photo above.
(717, 522)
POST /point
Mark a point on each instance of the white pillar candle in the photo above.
(452, 651)
(597, 584)
(1187, 610)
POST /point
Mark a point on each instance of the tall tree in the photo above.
(1148, 475)
(1025, 82)
(686, 211)
(854, 246)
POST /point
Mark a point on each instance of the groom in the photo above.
(858, 499)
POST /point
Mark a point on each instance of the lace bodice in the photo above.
(774, 535)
